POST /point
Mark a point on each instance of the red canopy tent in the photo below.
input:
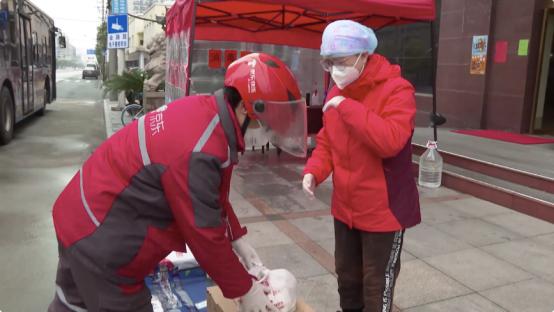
(288, 22)
(297, 23)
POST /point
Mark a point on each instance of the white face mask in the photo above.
(345, 75)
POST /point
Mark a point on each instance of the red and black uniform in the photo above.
(156, 185)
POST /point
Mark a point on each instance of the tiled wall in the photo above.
(503, 97)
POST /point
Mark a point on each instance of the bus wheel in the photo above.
(7, 117)
(46, 98)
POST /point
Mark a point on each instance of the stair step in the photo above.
(504, 173)
(528, 200)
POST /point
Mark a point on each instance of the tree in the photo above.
(101, 42)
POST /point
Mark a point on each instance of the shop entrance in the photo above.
(544, 111)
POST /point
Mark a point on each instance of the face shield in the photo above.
(284, 124)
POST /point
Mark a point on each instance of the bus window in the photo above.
(43, 52)
(34, 42)
(12, 33)
(3, 21)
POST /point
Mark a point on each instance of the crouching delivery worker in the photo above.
(163, 182)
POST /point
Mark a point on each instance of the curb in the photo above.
(107, 118)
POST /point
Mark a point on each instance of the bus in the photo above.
(27, 63)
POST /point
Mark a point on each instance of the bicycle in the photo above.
(131, 112)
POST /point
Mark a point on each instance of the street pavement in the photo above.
(34, 168)
(467, 255)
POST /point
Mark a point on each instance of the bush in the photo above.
(131, 82)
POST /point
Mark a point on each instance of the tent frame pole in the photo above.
(191, 40)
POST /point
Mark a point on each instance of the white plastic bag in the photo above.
(280, 286)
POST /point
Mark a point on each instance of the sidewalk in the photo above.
(467, 255)
(112, 118)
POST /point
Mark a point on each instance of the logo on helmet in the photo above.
(252, 76)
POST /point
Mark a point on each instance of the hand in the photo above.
(256, 300)
(334, 102)
(246, 252)
(308, 185)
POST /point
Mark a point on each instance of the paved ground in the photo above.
(34, 168)
(467, 255)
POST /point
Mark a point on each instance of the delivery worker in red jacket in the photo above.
(365, 142)
(163, 182)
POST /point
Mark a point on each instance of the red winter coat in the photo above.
(155, 185)
(366, 144)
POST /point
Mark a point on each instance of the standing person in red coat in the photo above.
(163, 182)
(365, 142)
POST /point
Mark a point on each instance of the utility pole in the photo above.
(103, 11)
(120, 69)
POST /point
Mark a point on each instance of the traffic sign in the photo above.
(118, 23)
(91, 51)
(118, 36)
(119, 7)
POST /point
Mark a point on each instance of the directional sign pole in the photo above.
(118, 40)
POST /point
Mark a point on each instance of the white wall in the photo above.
(151, 28)
(136, 31)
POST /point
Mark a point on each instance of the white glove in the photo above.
(255, 300)
(246, 252)
(308, 185)
(334, 102)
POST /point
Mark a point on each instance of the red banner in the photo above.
(243, 53)
(501, 52)
(214, 58)
(230, 57)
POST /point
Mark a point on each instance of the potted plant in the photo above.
(131, 82)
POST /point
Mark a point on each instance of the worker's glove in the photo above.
(247, 254)
(308, 184)
(334, 102)
(256, 300)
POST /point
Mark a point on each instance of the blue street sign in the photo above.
(91, 51)
(118, 31)
(117, 24)
(119, 7)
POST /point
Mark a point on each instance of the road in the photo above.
(34, 168)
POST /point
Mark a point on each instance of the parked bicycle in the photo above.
(131, 112)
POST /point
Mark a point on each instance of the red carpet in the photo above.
(506, 136)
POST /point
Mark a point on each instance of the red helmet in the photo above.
(271, 95)
(262, 77)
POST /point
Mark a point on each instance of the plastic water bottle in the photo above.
(430, 167)
(163, 291)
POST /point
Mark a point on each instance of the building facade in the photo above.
(152, 29)
(494, 65)
(141, 32)
(141, 6)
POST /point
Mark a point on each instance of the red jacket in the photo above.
(366, 144)
(155, 185)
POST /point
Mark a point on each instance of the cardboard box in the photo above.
(218, 303)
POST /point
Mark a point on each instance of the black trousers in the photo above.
(367, 265)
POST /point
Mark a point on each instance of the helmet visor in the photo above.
(285, 125)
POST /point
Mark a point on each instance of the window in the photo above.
(35, 48)
(8, 36)
(3, 23)
(410, 47)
